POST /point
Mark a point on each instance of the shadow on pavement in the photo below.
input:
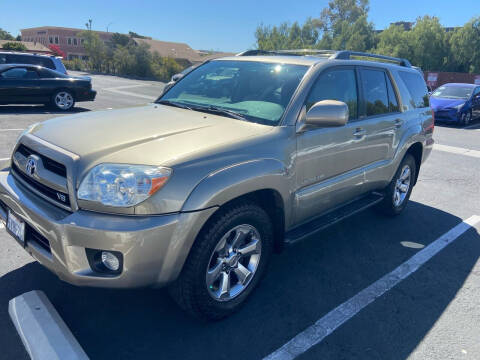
(303, 283)
(36, 109)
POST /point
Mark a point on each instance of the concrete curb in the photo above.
(42, 330)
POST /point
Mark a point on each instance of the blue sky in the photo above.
(211, 24)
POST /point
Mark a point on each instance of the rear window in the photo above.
(416, 87)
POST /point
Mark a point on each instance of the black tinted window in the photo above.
(392, 97)
(339, 84)
(417, 88)
(375, 92)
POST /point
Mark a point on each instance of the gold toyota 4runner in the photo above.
(236, 158)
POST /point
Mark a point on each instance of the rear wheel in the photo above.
(398, 192)
(63, 100)
(226, 262)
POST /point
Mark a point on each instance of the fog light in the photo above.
(110, 261)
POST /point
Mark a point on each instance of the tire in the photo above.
(396, 195)
(63, 100)
(195, 291)
(466, 118)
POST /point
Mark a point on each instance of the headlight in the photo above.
(122, 185)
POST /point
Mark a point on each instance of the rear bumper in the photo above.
(88, 95)
(154, 248)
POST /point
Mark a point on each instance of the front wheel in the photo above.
(466, 118)
(398, 192)
(225, 263)
(63, 100)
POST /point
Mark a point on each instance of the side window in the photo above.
(45, 62)
(375, 92)
(392, 97)
(417, 88)
(15, 73)
(338, 84)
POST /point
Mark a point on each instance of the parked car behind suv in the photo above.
(29, 84)
(456, 103)
(239, 157)
(47, 61)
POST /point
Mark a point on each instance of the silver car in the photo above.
(237, 158)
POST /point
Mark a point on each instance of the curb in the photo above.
(42, 330)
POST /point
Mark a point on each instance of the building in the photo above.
(69, 41)
(32, 47)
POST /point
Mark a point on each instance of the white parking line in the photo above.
(11, 130)
(4, 159)
(344, 312)
(457, 150)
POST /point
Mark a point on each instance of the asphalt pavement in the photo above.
(432, 314)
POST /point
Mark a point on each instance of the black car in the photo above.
(30, 84)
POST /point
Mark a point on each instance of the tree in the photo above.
(95, 49)
(5, 35)
(465, 45)
(342, 25)
(427, 41)
(56, 50)
(394, 41)
(14, 46)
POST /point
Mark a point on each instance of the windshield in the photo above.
(254, 91)
(454, 92)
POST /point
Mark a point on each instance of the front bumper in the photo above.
(154, 248)
(87, 95)
(448, 115)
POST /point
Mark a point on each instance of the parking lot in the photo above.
(433, 313)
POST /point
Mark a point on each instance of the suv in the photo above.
(195, 191)
(50, 62)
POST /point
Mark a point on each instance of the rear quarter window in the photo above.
(416, 87)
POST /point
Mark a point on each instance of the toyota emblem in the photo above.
(31, 165)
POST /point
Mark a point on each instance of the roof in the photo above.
(178, 50)
(460, 85)
(296, 60)
(31, 46)
(40, 28)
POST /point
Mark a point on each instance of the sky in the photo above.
(221, 25)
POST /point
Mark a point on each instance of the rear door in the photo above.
(382, 122)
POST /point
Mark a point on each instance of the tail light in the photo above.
(432, 125)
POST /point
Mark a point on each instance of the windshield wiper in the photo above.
(173, 103)
(220, 111)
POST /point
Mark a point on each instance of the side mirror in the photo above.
(327, 113)
(176, 77)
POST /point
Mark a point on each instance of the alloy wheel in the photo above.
(402, 186)
(64, 100)
(233, 262)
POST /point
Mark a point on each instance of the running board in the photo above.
(332, 217)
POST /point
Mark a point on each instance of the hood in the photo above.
(438, 103)
(151, 134)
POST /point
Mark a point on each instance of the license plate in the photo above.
(16, 227)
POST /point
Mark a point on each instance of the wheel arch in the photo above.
(416, 150)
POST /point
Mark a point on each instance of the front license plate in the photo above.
(16, 227)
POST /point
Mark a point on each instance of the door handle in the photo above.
(359, 132)
(398, 123)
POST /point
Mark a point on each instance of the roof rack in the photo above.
(347, 55)
(331, 54)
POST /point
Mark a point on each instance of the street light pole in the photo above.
(110, 23)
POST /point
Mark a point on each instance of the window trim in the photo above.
(387, 75)
(334, 68)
